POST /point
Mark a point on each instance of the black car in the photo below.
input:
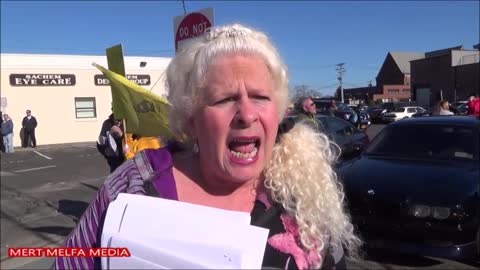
(343, 111)
(376, 112)
(416, 188)
(350, 139)
(363, 121)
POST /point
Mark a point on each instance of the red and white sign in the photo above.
(191, 25)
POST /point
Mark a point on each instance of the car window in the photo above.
(399, 110)
(420, 110)
(323, 122)
(433, 141)
(335, 124)
(322, 106)
(411, 110)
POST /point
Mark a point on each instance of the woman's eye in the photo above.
(263, 97)
(225, 100)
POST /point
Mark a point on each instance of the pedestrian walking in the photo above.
(29, 124)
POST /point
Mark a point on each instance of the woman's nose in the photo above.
(246, 114)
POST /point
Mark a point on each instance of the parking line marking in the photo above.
(40, 154)
(37, 168)
(94, 147)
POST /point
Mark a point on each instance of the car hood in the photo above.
(419, 181)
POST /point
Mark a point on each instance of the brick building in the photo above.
(451, 74)
(392, 81)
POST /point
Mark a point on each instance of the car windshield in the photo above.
(431, 141)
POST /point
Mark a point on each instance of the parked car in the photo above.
(375, 113)
(363, 121)
(401, 113)
(416, 188)
(350, 139)
(460, 110)
(343, 110)
(461, 107)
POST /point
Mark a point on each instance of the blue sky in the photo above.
(312, 36)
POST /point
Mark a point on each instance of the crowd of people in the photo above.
(29, 124)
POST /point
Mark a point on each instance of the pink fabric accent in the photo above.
(289, 243)
(263, 197)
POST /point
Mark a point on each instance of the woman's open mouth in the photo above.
(244, 150)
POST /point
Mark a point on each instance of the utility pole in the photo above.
(340, 71)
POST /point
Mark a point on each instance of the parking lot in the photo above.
(45, 191)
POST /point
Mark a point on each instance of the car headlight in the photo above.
(440, 212)
(420, 211)
(423, 211)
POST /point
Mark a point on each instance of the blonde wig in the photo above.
(299, 175)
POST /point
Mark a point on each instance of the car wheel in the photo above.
(405, 117)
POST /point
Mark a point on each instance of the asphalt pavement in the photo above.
(45, 191)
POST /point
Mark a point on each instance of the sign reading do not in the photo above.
(191, 25)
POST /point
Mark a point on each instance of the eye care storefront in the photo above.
(69, 97)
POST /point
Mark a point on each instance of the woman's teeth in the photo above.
(244, 155)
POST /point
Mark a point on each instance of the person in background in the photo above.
(444, 108)
(7, 133)
(332, 108)
(307, 109)
(473, 105)
(476, 110)
(2, 146)
(29, 124)
(229, 90)
(110, 142)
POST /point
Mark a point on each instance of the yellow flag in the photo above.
(138, 144)
(145, 113)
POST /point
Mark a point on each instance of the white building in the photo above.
(69, 97)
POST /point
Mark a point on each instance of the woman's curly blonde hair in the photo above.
(299, 175)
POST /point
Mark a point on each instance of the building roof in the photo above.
(443, 51)
(402, 59)
(49, 61)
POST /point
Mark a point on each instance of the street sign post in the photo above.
(191, 25)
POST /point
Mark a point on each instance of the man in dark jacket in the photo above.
(29, 123)
(109, 142)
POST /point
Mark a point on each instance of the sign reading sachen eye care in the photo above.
(138, 79)
(42, 79)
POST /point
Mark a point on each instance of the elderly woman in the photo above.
(228, 90)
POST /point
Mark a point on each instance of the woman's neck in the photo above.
(197, 186)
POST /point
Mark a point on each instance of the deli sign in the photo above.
(42, 79)
(100, 79)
